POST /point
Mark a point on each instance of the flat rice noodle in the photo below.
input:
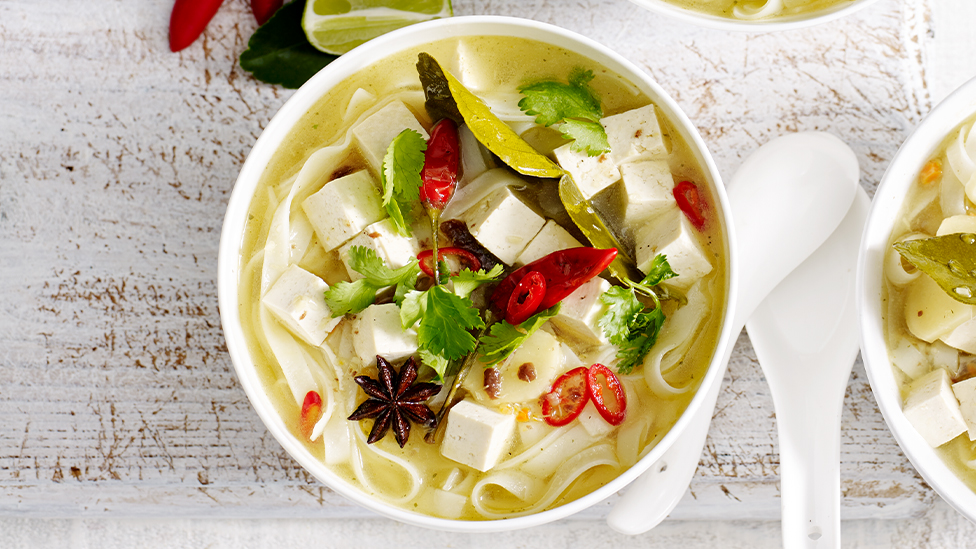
(758, 10)
(675, 339)
(546, 461)
(894, 268)
(370, 464)
(960, 157)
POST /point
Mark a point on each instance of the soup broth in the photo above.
(929, 336)
(542, 466)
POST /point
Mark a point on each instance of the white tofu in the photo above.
(377, 331)
(909, 359)
(646, 190)
(957, 224)
(591, 174)
(674, 236)
(963, 337)
(343, 207)
(965, 392)
(932, 409)
(393, 248)
(297, 300)
(593, 422)
(477, 436)
(374, 135)
(448, 504)
(635, 134)
(503, 224)
(581, 311)
(552, 237)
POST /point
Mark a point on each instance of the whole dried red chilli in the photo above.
(311, 412)
(564, 272)
(607, 393)
(565, 400)
(526, 297)
(463, 257)
(188, 20)
(264, 9)
(442, 160)
(689, 202)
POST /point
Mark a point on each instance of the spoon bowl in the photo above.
(787, 198)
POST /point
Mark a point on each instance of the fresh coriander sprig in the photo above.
(575, 107)
(627, 323)
(352, 297)
(401, 177)
(504, 338)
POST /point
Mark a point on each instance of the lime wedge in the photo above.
(337, 26)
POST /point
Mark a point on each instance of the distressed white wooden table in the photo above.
(117, 398)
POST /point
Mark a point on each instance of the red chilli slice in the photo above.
(689, 202)
(311, 412)
(526, 298)
(603, 387)
(565, 400)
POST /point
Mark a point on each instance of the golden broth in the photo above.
(508, 62)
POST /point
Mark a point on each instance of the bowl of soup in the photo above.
(916, 275)
(755, 16)
(580, 306)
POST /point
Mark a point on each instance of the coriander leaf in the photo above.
(622, 309)
(950, 260)
(659, 271)
(367, 262)
(552, 101)
(589, 137)
(279, 53)
(401, 177)
(644, 332)
(412, 308)
(505, 338)
(468, 281)
(350, 297)
(404, 286)
(436, 362)
(444, 327)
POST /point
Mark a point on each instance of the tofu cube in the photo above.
(374, 134)
(552, 237)
(581, 311)
(393, 248)
(965, 392)
(593, 422)
(477, 436)
(297, 300)
(646, 190)
(963, 337)
(673, 235)
(343, 207)
(932, 409)
(592, 174)
(377, 331)
(503, 224)
(635, 134)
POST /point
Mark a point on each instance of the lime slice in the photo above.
(337, 26)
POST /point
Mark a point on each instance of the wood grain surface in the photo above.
(117, 158)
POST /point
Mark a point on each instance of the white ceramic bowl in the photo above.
(759, 25)
(888, 201)
(281, 125)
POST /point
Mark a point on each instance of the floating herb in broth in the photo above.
(284, 235)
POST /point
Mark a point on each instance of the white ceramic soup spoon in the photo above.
(806, 339)
(786, 199)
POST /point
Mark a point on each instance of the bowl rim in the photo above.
(888, 201)
(281, 124)
(755, 26)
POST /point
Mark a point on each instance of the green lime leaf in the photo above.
(551, 101)
(588, 137)
(444, 327)
(504, 338)
(402, 165)
(595, 229)
(491, 132)
(950, 260)
(279, 53)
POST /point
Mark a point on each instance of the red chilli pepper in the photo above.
(264, 9)
(426, 259)
(526, 298)
(565, 400)
(311, 412)
(441, 162)
(686, 195)
(564, 271)
(188, 20)
(602, 385)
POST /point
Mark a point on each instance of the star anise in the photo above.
(393, 399)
